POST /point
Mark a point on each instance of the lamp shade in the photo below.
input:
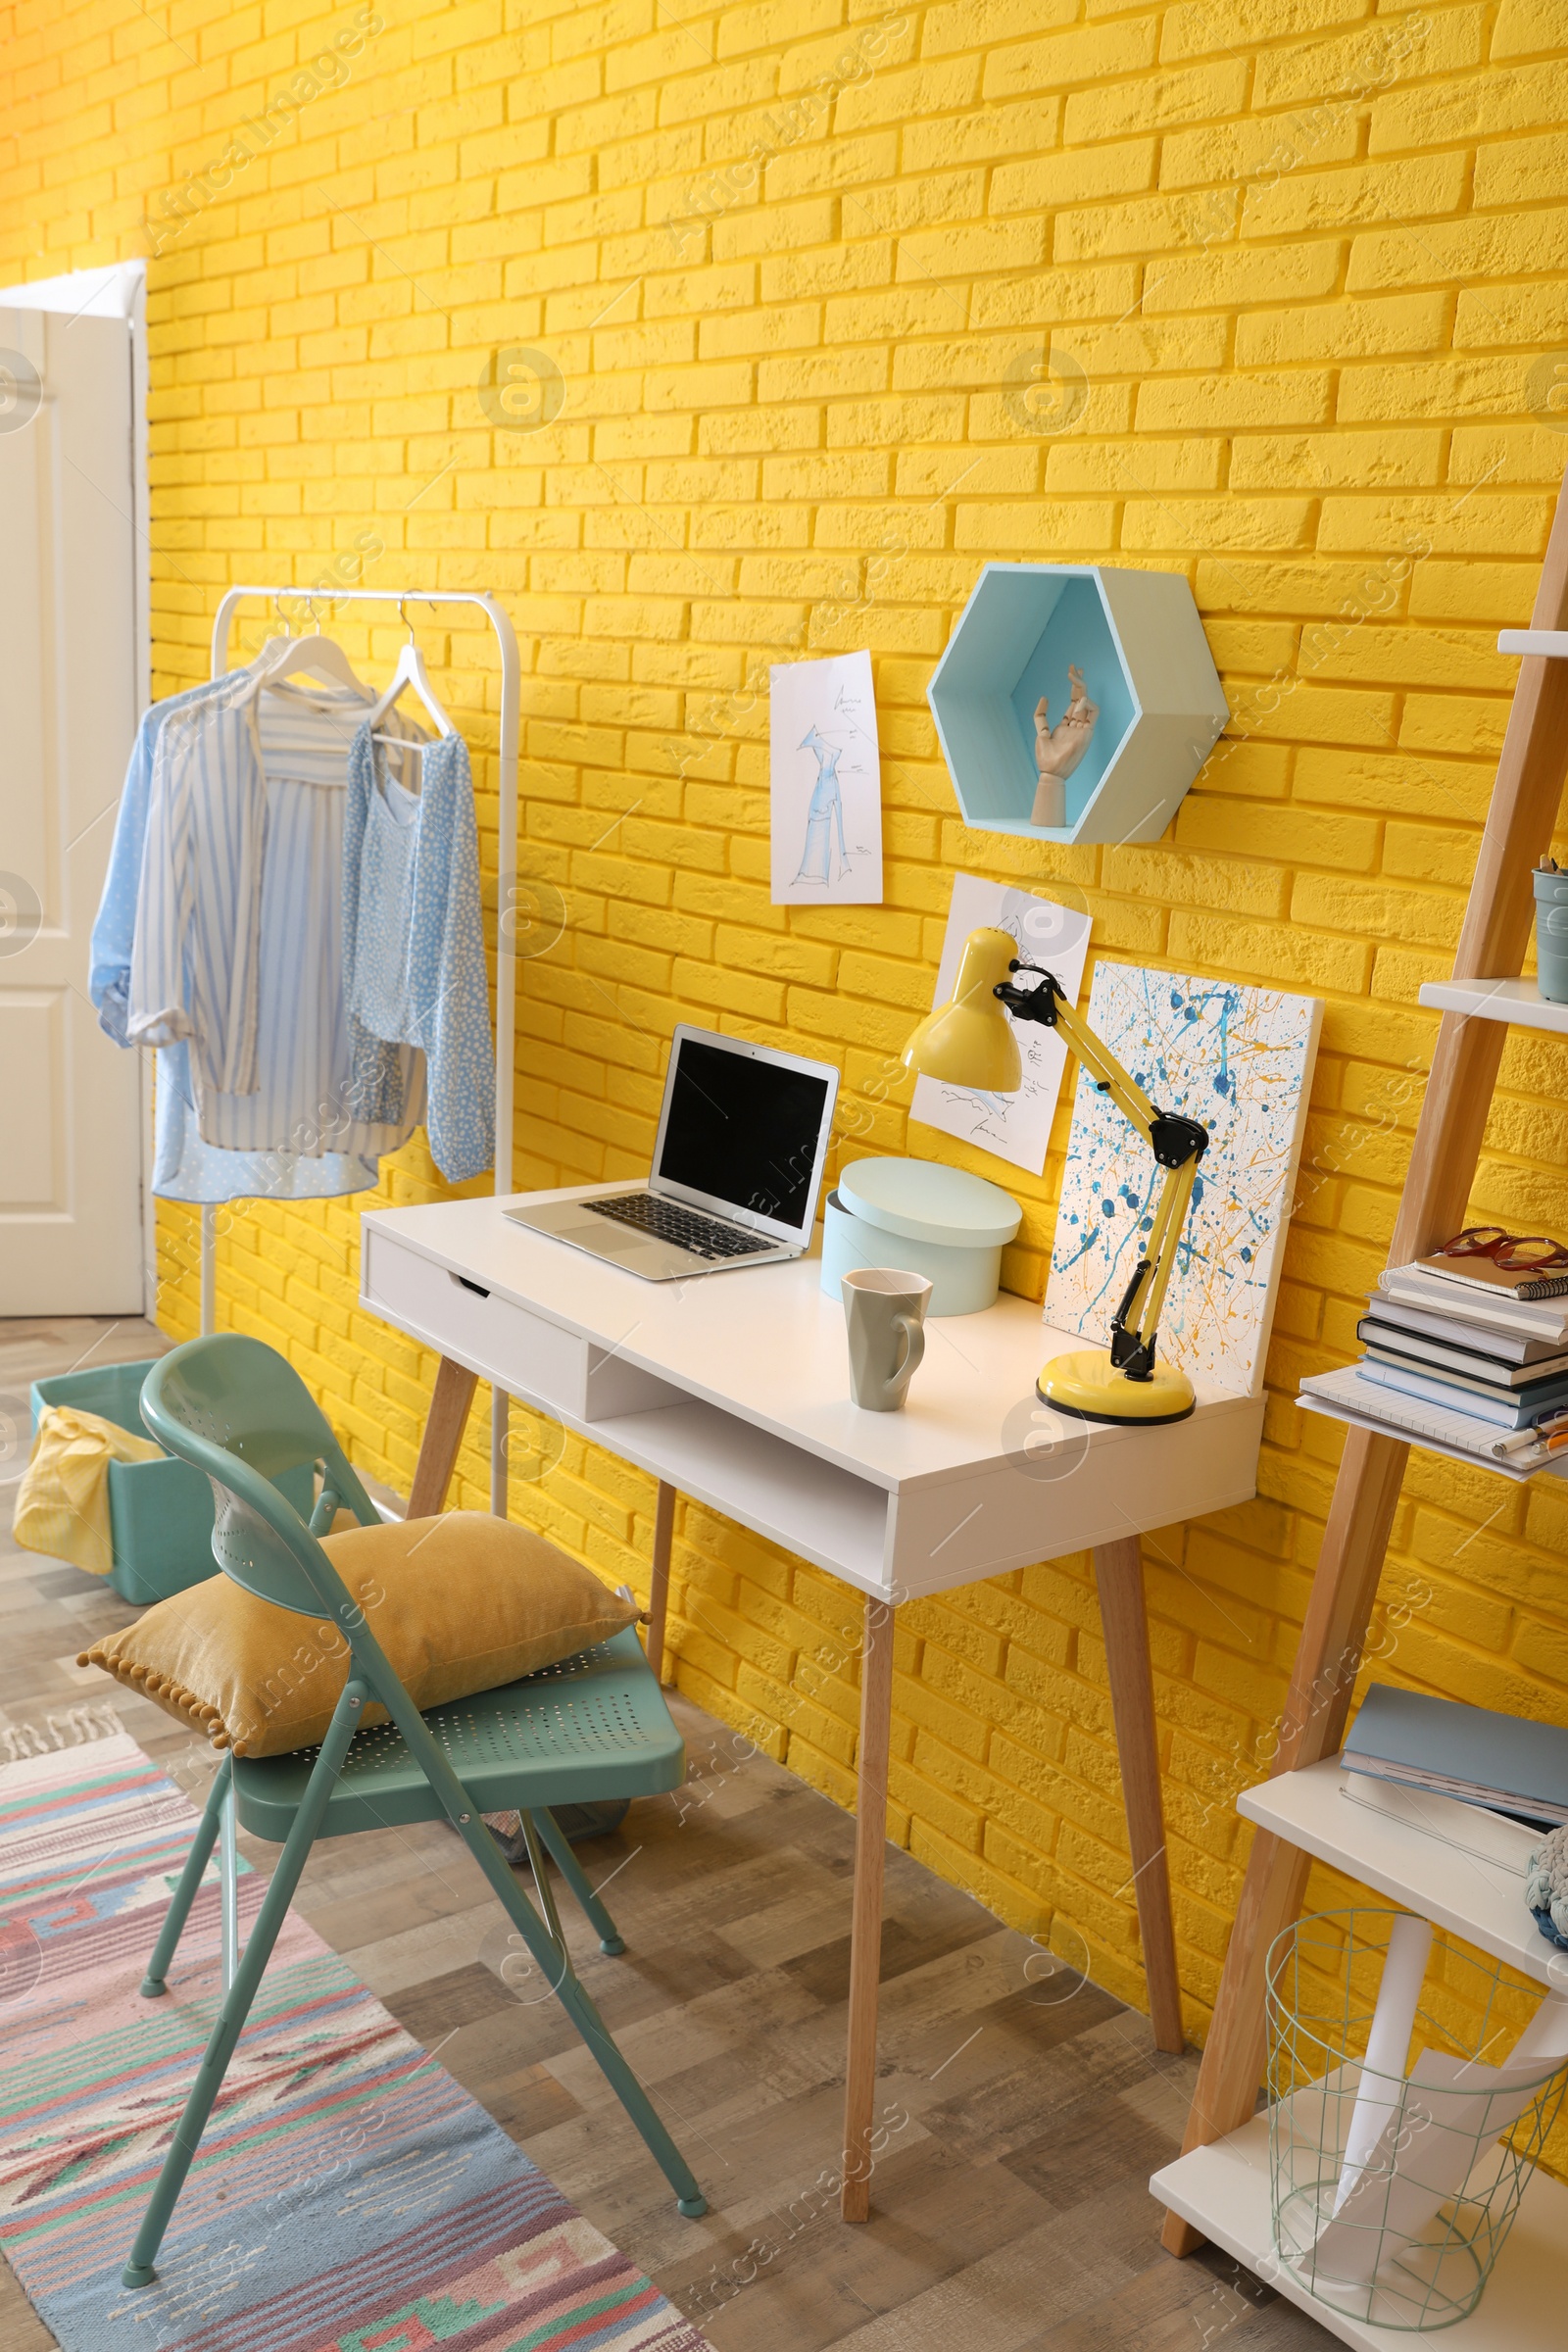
(970, 1041)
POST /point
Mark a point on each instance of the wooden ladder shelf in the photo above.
(1525, 802)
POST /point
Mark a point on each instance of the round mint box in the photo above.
(921, 1218)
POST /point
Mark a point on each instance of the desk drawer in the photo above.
(523, 1354)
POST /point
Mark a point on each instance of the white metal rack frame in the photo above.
(505, 936)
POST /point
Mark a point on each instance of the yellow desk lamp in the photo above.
(969, 1042)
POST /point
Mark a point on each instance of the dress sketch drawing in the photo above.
(824, 819)
(825, 783)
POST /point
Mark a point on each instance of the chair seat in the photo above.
(594, 1725)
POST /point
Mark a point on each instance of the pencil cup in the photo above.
(1551, 935)
(885, 1312)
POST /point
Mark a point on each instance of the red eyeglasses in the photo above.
(1513, 1253)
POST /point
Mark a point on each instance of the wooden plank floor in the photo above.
(1011, 2208)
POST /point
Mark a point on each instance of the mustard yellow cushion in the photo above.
(459, 1603)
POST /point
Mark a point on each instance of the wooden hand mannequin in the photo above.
(1058, 751)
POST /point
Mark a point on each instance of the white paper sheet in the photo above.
(825, 778)
(1016, 1127)
(1450, 2114)
(1453, 2111)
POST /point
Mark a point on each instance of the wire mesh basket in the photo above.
(1394, 2192)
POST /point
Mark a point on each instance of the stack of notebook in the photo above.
(1458, 1351)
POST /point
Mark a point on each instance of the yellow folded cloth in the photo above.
(63, 1500)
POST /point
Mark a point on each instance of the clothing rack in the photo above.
(505, 936)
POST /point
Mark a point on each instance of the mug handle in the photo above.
(913, 1349)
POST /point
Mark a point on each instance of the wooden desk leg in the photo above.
(1119, 1574)
(659, 1578)
(865, 1928)
(443, 1434)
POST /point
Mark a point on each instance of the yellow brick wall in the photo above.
(1297, 262)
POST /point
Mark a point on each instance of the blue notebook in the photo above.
(1502, 1762)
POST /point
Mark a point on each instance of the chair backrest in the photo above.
(232, 1407)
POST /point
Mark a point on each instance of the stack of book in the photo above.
(1466, 1354)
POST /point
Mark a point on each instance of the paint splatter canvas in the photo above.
(1240, 1059)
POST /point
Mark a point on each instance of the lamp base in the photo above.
(1088, 1385)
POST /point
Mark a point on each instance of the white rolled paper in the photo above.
(1544, 2041)
(1388, 2048)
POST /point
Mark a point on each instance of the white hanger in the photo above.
(322, 656)
(410, 671)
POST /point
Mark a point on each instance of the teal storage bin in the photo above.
(923, 1218)
(159, 1513)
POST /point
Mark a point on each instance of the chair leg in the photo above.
(190, 1878)
(618, 2073)
(229, 1888)
(610, 1938)
(556, 1960)
(139, 2271)
(541, 1880)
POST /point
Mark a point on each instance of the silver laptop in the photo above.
(742, 1134)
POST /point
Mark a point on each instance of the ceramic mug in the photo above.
(885, 1312)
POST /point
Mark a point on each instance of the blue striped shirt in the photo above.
(219, 939)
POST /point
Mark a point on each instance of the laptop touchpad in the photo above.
(603, 1235)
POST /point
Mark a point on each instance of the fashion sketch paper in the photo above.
(826, 775)
(1016, 1127)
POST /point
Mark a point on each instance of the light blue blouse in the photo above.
(414, 966)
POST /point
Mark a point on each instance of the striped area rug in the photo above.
(348, 2197)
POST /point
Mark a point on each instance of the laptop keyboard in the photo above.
(687, 1228)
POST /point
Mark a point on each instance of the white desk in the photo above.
(734, 1389)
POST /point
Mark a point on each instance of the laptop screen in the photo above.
(743, 1131)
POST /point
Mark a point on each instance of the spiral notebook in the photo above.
(1480, 1274)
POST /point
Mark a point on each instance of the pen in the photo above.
(1525, 1441)
(1536, 1452)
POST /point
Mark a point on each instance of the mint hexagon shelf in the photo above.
(1138, 639)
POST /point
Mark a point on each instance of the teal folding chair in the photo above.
(593, 1727)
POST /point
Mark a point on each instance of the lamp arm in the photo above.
(1178, 1145)
(1047, 1005)
(1137, 1320)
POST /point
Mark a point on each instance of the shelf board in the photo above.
(835, 1520)
(1223, 2190)
(1332, 1411)
(1516, 1001)
(1553, 643)
(1456, 1865)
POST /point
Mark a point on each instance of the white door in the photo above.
(69, 1115)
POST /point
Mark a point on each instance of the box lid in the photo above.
(928, 1202)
